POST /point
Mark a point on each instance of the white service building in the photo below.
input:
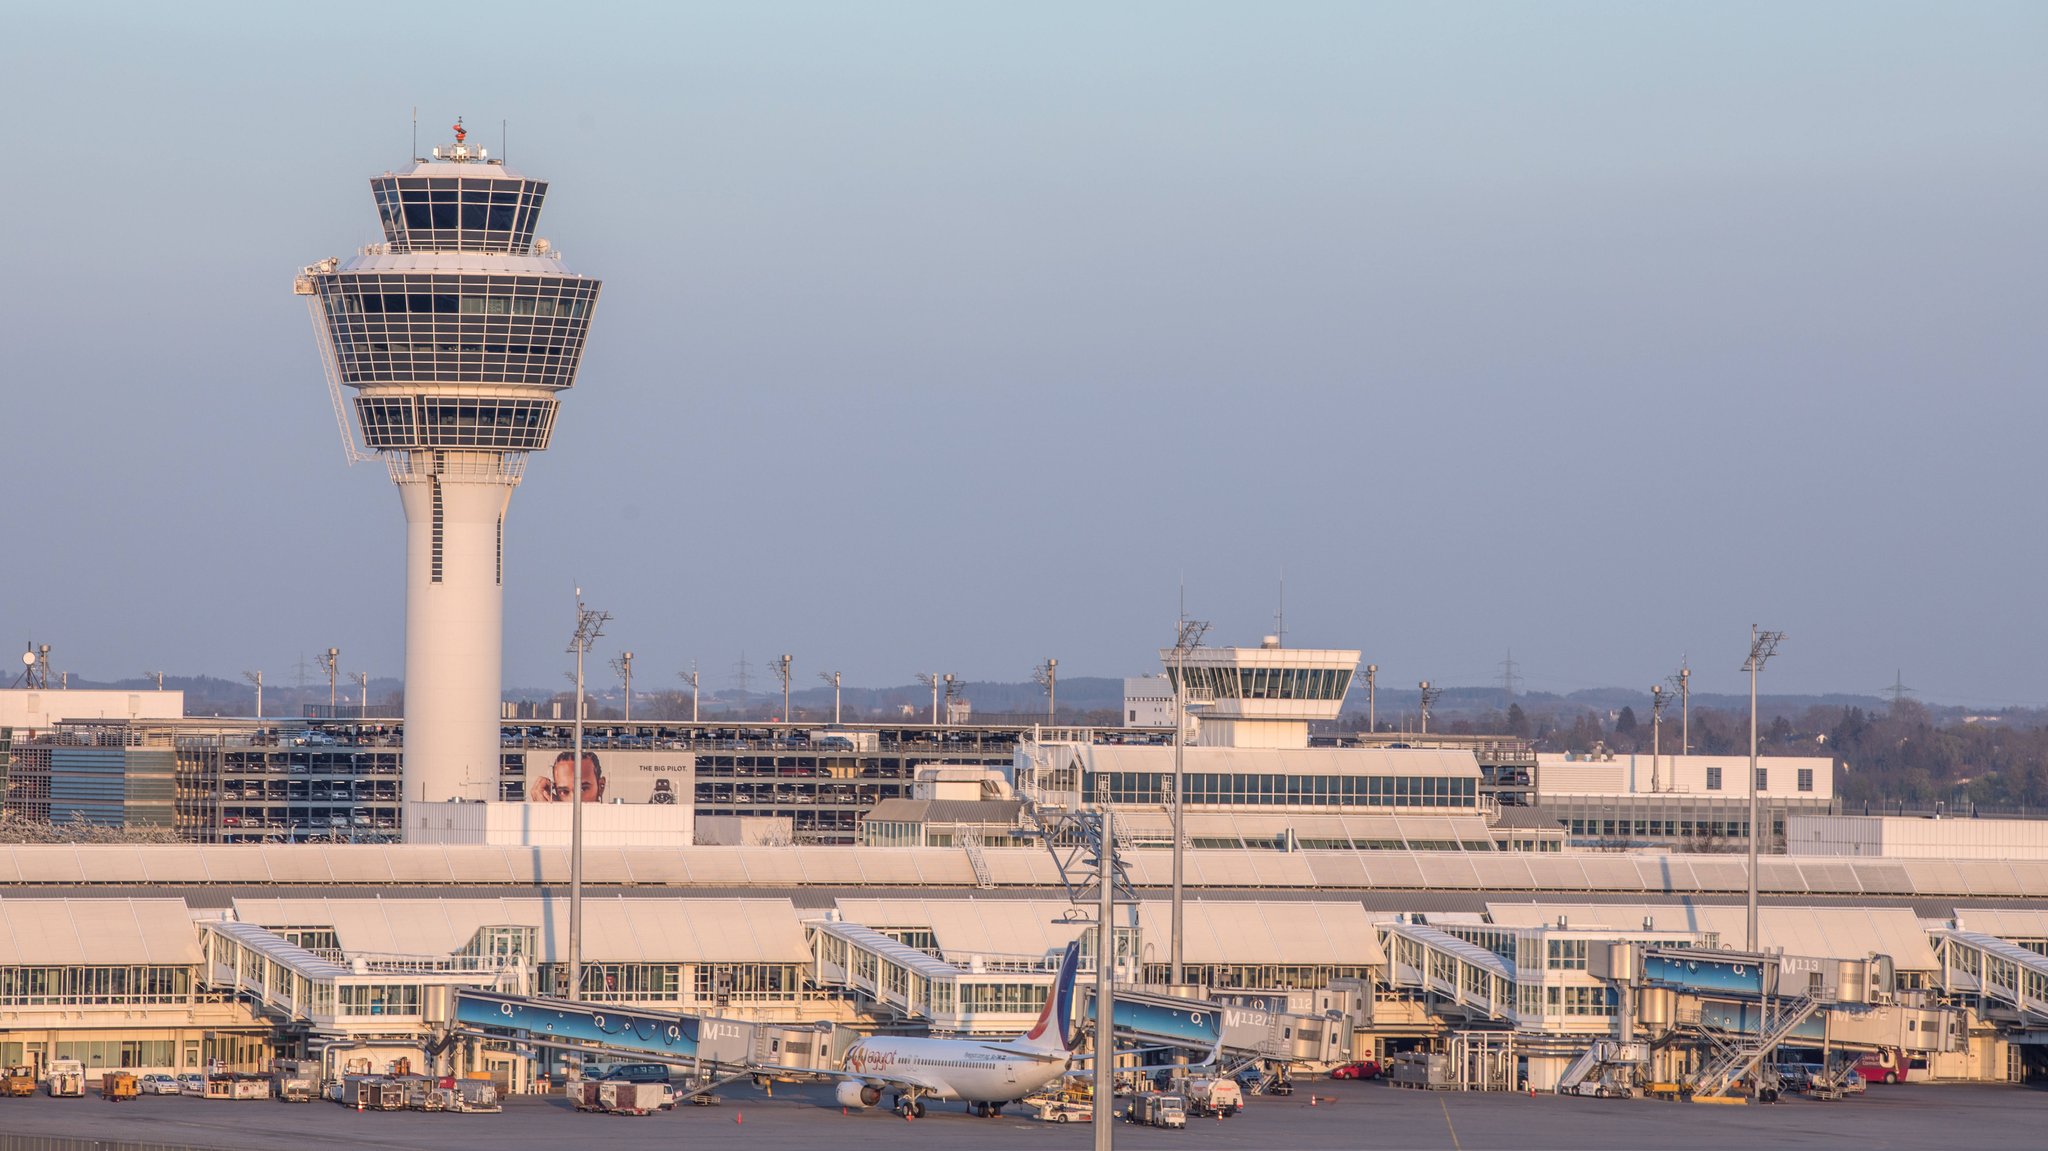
(1917, 837)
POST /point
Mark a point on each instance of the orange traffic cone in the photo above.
(1311, 1099)
(739, 1117)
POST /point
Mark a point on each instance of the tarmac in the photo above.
(1342, 1116)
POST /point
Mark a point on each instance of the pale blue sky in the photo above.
(950, 337)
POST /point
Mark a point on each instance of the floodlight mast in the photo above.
(624, 666)
(256, 677)
(1187, 637)
(1657, 701)
(1372, 706)
(332, 662)
(1762, 646)
(690, 677)
(782, 668)
(589, 626)
(1048, 676)
(833, 679)
(931, 680)
(1105, 982)
(1429, 696)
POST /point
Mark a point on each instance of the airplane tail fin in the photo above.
(1053, 1034)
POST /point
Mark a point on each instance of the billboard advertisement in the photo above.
(610, 775)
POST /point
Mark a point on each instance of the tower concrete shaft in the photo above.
(456, 335)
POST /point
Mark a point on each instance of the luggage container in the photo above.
(373, 1093)
(621, 1097)
(476, 1096)
(18, 1082)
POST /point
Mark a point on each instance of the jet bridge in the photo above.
(709, 1046)
(1997, 971)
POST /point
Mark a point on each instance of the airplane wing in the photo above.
(1034, 1056)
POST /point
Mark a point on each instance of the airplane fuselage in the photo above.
(967, 1069)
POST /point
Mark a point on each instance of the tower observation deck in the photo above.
(457, 335)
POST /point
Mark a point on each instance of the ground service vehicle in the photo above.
(119, 1087)
(1061, 1109)
(654, 1075)
(1212, 1096)
(1889, 1065)
(295, 1080)
(66, 1079)
(1157, 1109)
(1363, 1069)
(19, 1081)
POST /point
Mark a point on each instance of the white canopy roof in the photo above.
(1217, 931)
(77, 933)
(615, 929)
(1825, 932)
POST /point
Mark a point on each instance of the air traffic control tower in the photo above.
(457, 334)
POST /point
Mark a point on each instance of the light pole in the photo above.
(782, 669)
(624, 666)
(690, 677)
(333, 665)
(1048, 676)
(1187, 637)
(1684, 710)
(1657, 701)
(950, 688)
(1762, 645)
(1428, 697)
(363, 708)
(1105, 983)
(256, 677)
(932, 681)
(589, 625)
(833, 679)
(1372, 702)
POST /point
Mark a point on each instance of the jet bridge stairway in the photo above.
(1733, 1057)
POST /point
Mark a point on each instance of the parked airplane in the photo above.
(985, 1074)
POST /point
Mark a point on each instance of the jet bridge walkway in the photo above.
(1426, 959)
(1996, 970)
(710, 1047)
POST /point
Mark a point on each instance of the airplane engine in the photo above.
(852, 1093)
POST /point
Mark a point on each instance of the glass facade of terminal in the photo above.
(1248, 789)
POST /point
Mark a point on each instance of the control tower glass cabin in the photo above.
(457, 335)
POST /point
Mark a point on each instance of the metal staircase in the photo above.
(1604, 1069)
(983, 878)
(1734, 1056)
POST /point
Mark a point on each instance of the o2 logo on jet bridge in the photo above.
(671, 1032)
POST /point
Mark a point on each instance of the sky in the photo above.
(949, 337)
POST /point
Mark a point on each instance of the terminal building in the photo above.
(1509, 970)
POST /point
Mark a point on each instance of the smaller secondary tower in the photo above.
(457, 334)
